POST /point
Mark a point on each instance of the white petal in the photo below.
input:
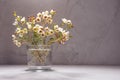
(23, 19)
(15, 23)
(39, 14)
(64, 20)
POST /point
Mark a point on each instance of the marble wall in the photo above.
(96, 33)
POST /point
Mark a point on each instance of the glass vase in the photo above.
(39, 57)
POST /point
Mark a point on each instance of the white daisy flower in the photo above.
(18, 44)
(60, 29)
(52, 12)
(23, 20)
(15, 23)
(69, 22)
(64, 20)
(18, 30)
(46, 29)
(55, 26)
(25, 30)
(38, 19)
(37, 25)
(29, 25)
(13, 36)
(46, 12)
(39, 14)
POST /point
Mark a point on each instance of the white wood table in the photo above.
(61, 72)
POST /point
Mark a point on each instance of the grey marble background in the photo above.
(96, 33)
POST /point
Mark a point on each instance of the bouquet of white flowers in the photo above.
(40, 29)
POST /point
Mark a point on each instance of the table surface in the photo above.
(61, 72)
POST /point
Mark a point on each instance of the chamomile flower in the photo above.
(18, 18)
(36, 29)
(69, 22)
(45, 13)
(49, 21)
(52, 12)
(29, 26)
(56, 27)
(38, 19)
(60, 29)
(18, 30)
(21, 34)
(23, 20)
(47, 33)
(49, 16)
(39, 15)
(15, 23)
(14, 37)
(42, 34)
(51, 32)
(64, 20)
(45, 17)
(41, 31)
(18, 44)
(46, 29)
(25, 30)
(40, 27)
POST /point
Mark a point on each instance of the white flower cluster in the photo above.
(40, 29)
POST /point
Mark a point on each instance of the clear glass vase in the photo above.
(39, 57)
